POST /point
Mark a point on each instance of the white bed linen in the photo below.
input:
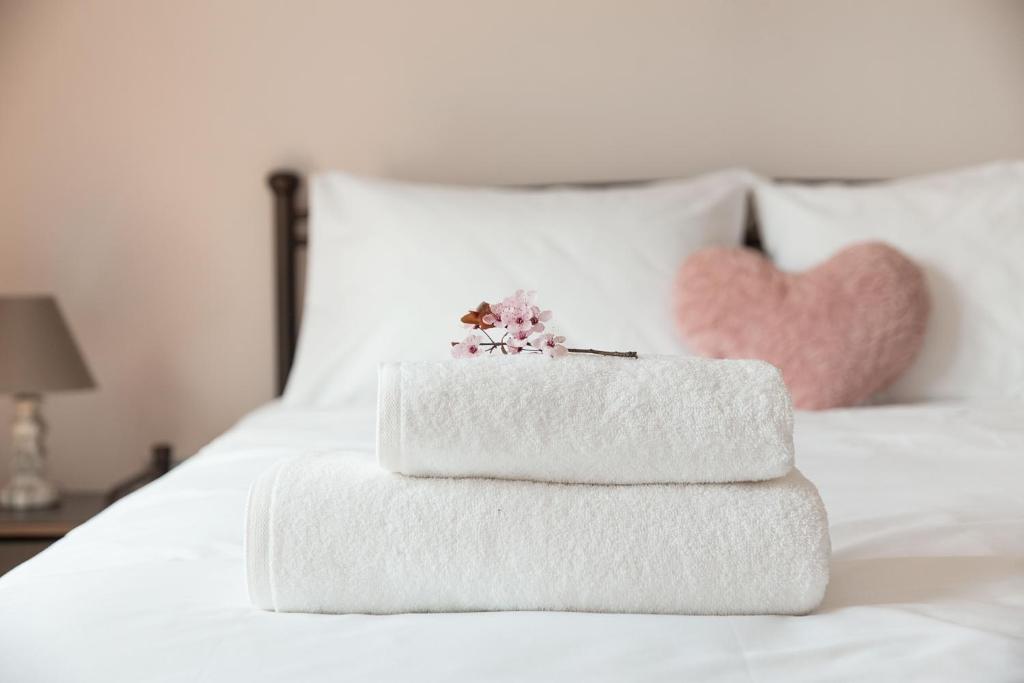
(926, 505)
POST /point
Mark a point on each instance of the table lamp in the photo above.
(38, 354)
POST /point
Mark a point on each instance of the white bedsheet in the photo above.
(927, 512)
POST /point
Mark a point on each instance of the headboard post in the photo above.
(285, 185)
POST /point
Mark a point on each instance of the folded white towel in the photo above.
(586, 419)
(334, 533)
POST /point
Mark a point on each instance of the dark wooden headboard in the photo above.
(290, 238)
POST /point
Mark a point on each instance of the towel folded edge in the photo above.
(389, 416)
(257, 537)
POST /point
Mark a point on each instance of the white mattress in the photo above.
(927, 513)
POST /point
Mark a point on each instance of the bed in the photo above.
(926, 516)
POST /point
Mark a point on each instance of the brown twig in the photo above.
(596, 352)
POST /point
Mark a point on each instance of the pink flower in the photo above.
(516, 317)
(550, 345)
(520, 318)
(516, 312)
(517, 341)
(538, 317)
(468, 347)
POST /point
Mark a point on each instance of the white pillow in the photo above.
(965, 228)
(393, 266)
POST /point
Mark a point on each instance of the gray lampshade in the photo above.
(37, 350)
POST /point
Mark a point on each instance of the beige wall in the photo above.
(134, 137)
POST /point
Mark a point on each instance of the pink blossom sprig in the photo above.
(521, 323)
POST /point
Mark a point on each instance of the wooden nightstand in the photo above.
(23, 534)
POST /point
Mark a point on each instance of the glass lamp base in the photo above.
(28, 489)
(29, 492)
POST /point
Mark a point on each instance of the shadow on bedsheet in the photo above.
(896, 580)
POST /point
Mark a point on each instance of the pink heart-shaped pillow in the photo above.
(839, 332)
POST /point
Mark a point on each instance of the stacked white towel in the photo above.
(339, 534)
(632, 524)
(586, 419)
